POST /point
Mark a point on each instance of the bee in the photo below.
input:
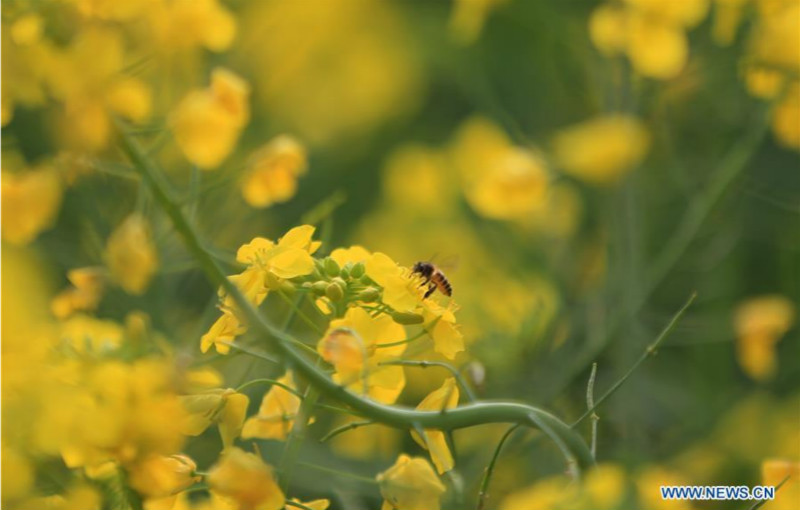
(434, 278)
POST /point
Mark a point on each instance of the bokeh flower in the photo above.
(760, 323)
(131, 254)
(775, 472)
(31, 199)
(602, 149)
(207, 122)
(274, 170)
(85, 293)
(159, 478)
(500, 180)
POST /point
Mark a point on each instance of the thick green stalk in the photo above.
(575, 448)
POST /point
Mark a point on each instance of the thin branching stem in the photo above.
(590, 405)
(483, 494)
(345, 428)
(651, 349)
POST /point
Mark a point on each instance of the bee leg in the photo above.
(431, 288)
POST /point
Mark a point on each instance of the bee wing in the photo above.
(449, 263)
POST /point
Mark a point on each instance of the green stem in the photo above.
(590, 405)
(487, 475)
(651, 349)
(345, 428)
(271, 382)
(396, 416)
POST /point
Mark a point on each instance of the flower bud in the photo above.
(369, 295)
(319, 288)
(407, 318)
(334, 291)
(331, 267)
(357, 271)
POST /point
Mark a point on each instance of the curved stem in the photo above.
(574, 447)
(425, 364)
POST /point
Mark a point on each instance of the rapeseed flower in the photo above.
(352, 346)
(268, 265)
(274, 170)
(277, 412)
(760, 323)
(782, 471)
(31, 199)
(88, 284)
(159, 478)
(224, 407)
(410, 484)
(434, 441)
(207, 122)
(246, 479)
(602, 149)
(500, 180)
(131, 255)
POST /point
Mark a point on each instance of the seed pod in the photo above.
(357, 271)
(407, 318)
(334, 291)
(331, 267)
(369, 295)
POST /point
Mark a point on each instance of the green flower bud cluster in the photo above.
(341, 284)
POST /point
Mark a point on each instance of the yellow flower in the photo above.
(785, 123)
(225, 407)
(274, 170)
(648, 484)
(87, 288)
(224, 331)
(777, 471)
(30, 203)
(434, 441)
(352, 254)
(374, 441)
(602, 149)
(440, 323)
(650, 32)
(110, 9)
(268, 264)
(18, 475)
(245, 478)
(86, 77)
(605, 486)
(276, 415)
(84, 333)
(187, 24)
(400, 290)
(760, 323)
(351, 346)
(552, 492)
(500, 180)
(113, 411)
(131, 255)
(361, 50)
(160, 476)
(207, 123)
(410, 484)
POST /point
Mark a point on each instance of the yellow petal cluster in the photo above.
(207, 122)
(274, 170)
(30, 202)
(159, 478)
(131, 255)
(247, 480)
(268, 263)
(410, 484)
(88, 284)
(276, 414)
(224, 407)
(434, 441)
(651, 33)
(352, 346)
(603, 149)
(760, 323)
(184, 25)
(500, 180)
